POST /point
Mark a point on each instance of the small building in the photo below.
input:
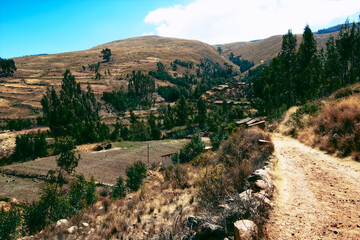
(166, 159)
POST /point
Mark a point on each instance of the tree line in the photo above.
(297, 76)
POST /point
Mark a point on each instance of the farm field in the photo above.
(107, 165)
(25, 190)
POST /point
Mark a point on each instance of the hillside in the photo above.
(264, 50)
(20, 95)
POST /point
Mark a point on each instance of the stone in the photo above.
(246, 195)
(72, 229)
(101, 208)
(14, 201)
(245, 230)
(85, 224)
(262, 185)
(62, 222)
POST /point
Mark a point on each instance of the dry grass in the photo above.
(338, 128)
(264, 50)
(156, 209)
(334, 128)
(20, 94)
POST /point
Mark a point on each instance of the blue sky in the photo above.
(53, 26)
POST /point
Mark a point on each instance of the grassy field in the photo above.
(106, 166)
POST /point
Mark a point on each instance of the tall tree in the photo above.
(74, 113)
(106, 54)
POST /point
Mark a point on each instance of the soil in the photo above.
(317, 195)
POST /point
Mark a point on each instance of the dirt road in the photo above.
(317, 195)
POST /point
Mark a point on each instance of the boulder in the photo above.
(245, 230)
(84, 224)
(72, 229)
(262, 185)
(62, 222)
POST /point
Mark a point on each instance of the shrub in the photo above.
(78, 192)
(338, 127)
(236, 159)
(118, 190)
(9, 222)
(35, 217)
(90, 193)
(178, 174)
(191, 150)
(135, 175)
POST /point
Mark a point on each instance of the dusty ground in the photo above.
(318, 196)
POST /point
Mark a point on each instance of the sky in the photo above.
(30, 27)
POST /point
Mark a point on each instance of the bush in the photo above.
(119, 190)
(236, 159)
(338, 127)
(191, 150)
(135, 175)
(178, 174)
(35, 217)
(90, 193)
(9, 223)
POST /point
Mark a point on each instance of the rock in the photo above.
(62, 222)
(245, 229)
(72, 229)
(101, 208)
(263, 198)
(14, 201)
(85, 224)
(261, 174)
(262, 185)
(246, 195)
(130, 197)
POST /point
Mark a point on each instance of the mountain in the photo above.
(262, 51)
(20, 95)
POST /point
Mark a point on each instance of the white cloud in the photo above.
(222, 21)
(148, 34)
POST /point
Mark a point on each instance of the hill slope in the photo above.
(264, 50)
(20, 95)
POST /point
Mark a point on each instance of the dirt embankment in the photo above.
(318, 196)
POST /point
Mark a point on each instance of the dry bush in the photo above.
(178, 175)
(338, 127)
(237, 158)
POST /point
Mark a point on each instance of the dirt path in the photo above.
(317, 197)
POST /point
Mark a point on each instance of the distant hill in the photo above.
(330, 29)
(262, 51)
(20, 95)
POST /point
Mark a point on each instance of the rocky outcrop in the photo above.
(245, 230)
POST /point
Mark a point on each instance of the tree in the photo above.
(106, 54)
(119, 190)
(201, 116)
(135, 175)
(73, 112)
(7, 67)
(192, 149)
(182, 111)
(219, 50)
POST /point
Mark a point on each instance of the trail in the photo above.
(317, 195)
